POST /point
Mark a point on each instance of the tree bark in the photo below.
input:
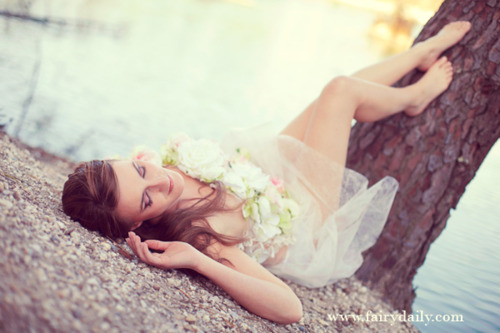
(435, 155)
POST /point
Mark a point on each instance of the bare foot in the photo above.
(449, 35)
(431, 85)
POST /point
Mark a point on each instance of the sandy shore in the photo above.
(56, 276)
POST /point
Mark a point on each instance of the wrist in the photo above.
(201, 262)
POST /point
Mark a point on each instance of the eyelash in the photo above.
(142, 172)
(150, 202)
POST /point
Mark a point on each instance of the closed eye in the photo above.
(147, 202)
(146, 199)
(141, 170)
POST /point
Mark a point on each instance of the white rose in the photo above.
(254, 213)
(201, 159)
(251, 175)
(274, 196)
(235, 184)
(292, 206)
(264, 209)
(267, 231)
(169, 149)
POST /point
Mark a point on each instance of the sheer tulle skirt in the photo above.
(340, 217)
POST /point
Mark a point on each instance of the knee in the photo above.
(340, 85)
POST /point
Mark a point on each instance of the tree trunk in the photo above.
(435, 155)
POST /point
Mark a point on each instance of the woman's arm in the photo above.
(247, 282)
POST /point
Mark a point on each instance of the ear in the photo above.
(136, 225)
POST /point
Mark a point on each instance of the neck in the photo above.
(193, 188)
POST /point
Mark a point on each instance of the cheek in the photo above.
(180, 184)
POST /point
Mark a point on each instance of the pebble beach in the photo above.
(56, 276)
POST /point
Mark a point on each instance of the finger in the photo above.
(132, 242)
(136, 245)
(149, 257)
(157, 245)
(140, 251)
(137, 241)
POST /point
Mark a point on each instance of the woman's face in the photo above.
(145, 191)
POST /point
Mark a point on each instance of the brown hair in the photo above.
(90, 196)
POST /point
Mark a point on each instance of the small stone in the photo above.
(101, 297)
(102, 312)
(64, 293)
(190, 318)
(40, 274)
(322, 322)
(105, 277)
(173, 282)
(93, 281)
(5, 203)
(75, 237)
(69, 230)
(35, 251)
(106, 246)
(16, 195)
(54, 239)
(1, 187)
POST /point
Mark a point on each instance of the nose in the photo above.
(160, 183)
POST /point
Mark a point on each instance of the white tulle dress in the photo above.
(340, 217)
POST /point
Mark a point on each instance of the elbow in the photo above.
(292, 315)
(295, 316)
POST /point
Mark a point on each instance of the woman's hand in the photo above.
(174, 255)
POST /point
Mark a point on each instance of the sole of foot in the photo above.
(448, 36)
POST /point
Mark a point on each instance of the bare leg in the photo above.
(421, 55)
(330, 122)
(326, 124)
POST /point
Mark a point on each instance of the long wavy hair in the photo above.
(90, 196)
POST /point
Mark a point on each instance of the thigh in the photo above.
(297, 128)
(325, 124)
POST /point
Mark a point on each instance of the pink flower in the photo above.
(278, 184)
(146, 154)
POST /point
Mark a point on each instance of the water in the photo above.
(149, 68)
(198, 66)
(461, 271)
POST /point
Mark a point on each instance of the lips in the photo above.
(170, 184)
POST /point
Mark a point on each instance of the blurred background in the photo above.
(89, 79)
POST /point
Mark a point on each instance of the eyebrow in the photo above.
(142, 196)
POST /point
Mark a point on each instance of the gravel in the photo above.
(56, 276)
